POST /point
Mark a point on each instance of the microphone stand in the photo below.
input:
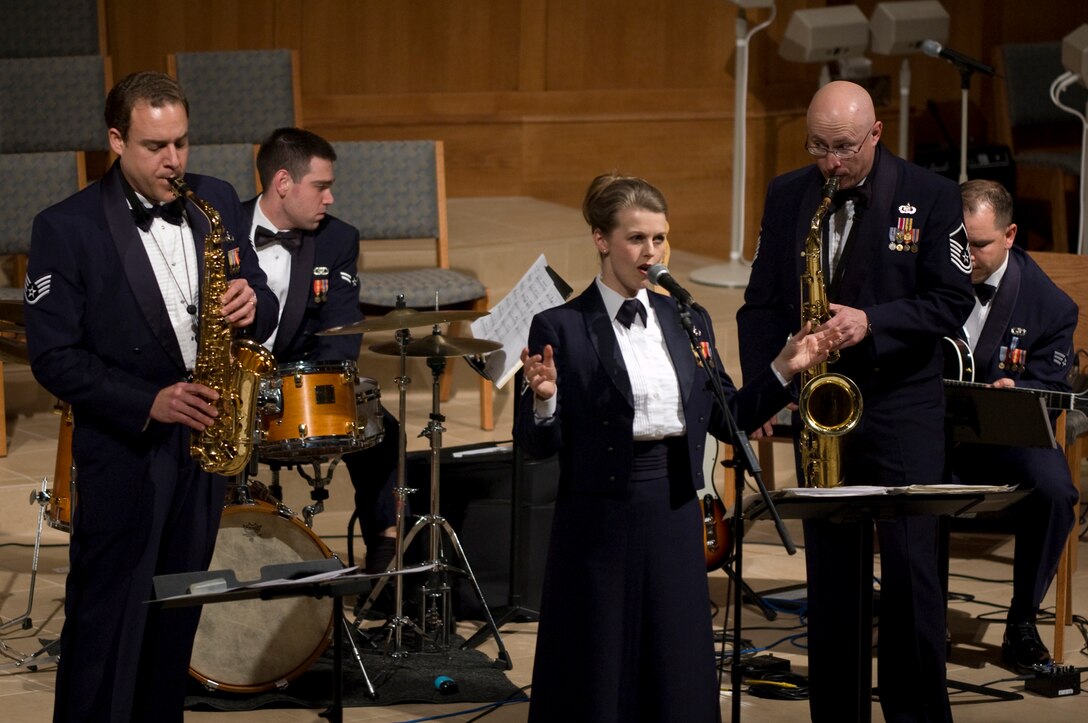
(744, 458)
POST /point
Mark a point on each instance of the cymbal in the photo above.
(436, 345)
(403, 319)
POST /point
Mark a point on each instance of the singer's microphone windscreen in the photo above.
(655, 272)
(931, 48)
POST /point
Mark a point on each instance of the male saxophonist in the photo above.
(112, 296)
(898, 275)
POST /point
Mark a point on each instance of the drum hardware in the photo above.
(399, 621)
(435, 619)
(41, 498)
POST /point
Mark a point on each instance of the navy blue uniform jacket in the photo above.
(99, 335)
(912, 299)
(327, 254)
(1030, 312)
(595, 412)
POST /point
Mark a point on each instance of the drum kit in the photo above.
(309, 414)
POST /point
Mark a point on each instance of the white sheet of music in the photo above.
(508, 322)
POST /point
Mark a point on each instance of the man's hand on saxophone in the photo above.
(851, 324)
(186, 403)
(239, 303)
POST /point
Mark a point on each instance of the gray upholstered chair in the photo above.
(232, 162)
(238, 96)
(53, 104)
(32, 182)
(52, 28)
(1045, 140)
(397, 190)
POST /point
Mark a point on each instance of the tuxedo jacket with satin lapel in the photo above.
(330, 254)
(912, 300)
(1040, 317)
(98, 332)
(592, 432)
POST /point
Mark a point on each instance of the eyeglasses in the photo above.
(839, 151)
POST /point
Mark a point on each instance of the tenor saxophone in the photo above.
(829, 403)
(232, 367)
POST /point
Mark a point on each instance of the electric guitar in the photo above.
(959, 372)
(717, 541)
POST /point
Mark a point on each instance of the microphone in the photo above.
(445, 685)
(659, 275)
(964, 62)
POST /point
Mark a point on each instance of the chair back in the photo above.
(1069, 272)
(53, 104)
(238, 96)
(52, 28)
(393, 190)
(232, 162)
(32, 183)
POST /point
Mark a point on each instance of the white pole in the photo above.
(735, 273)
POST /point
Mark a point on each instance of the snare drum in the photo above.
(309, 411)
(249, 646)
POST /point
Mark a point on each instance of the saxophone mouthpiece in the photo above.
(179, 186)
(831, 187)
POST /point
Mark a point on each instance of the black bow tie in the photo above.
(290, 240)
(858, 194)
(629, 310)
(985, 292)
(173, 212)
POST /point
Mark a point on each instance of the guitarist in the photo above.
(1020, 334)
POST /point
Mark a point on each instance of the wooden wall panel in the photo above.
(534, 97)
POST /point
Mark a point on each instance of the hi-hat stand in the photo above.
(399, 621)
(436, 621)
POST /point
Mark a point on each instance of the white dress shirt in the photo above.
(972, 328)
(275, 261)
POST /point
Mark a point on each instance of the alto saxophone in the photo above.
(232, 367)
(829, 403)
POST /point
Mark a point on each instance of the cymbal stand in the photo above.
(42, 498)
(435, 594)
(400, 492)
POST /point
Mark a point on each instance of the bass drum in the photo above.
(250, 646)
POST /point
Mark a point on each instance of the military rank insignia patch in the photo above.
(35, 291)
(960, 254)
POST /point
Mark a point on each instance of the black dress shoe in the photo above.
(1022, 649)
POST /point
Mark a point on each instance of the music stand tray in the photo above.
(311, 578)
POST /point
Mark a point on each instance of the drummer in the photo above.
(310, 259)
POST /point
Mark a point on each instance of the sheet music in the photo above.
(508, 322)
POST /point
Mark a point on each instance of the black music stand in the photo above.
(293, 579)
(834, 506)
(977, 414)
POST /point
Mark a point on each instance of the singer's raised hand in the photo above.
(805, 349)
(540, 372)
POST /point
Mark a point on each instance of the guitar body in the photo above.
(959, 364)
(717, 540)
